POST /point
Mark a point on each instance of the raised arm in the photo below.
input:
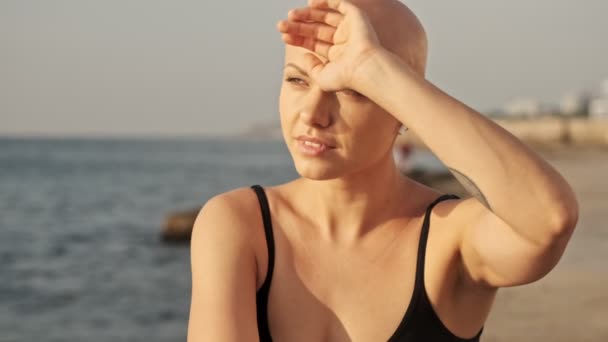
(223, 306)
(523, 211)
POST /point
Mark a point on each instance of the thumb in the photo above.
(323, 73)
(313, 65)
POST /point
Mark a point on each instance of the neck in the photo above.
(345, 209)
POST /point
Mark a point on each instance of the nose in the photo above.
(316, 109)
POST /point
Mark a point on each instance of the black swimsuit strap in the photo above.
(263, 292)
(419, 291)
(424, 235)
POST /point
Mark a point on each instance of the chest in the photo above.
(326, 293)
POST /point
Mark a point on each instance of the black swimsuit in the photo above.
(420, 323)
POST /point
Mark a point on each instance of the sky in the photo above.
(213, 68)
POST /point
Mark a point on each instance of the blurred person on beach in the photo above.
(353, 250)
(402, 154)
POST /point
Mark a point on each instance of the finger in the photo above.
(330, 18)
(341, 6)
(317, 46)
(310, 30)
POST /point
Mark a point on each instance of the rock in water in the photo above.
(178, 226)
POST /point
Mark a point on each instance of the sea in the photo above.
(81, 257)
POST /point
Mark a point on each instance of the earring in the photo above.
(402, 129)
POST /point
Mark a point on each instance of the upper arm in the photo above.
(223, 305)
(493, 254)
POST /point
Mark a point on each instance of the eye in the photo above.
(295, 80)
(350, 92)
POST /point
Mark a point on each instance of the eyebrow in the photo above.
(306, 74)
(297, 68)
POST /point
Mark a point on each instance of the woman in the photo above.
(353, 250)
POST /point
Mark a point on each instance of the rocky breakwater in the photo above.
(177, 227)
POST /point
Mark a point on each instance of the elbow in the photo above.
(563, 221)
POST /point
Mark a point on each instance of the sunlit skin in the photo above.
(319, 100)
(347, 229)
(361, 134)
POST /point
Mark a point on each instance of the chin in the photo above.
(324, 167)
(318, 170)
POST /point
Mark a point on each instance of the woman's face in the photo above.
(355, 131)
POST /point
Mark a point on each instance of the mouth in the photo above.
(313, 146)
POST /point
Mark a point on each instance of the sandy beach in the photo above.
(571, 303)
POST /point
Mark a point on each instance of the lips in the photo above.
(315, 142)
(312, 146)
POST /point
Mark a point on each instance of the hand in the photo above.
(339, 32)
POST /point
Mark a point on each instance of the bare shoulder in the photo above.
(226, 219)
(448, 222)
(224, 269)
(451, 225)
(455, 217)
(454, 213)
(461, 305)
(234, 207)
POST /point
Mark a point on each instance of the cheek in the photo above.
(286, 117)
(281, 100)
(284, 114)
(285, 102)
(371, 134)
(288, 104)
(283, 106)
(369, 124)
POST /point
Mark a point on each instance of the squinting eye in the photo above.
(350, 92)
(295, 80)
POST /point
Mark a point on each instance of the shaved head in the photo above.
(398, 30)
(362, 132)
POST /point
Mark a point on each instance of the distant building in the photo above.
(604, 88)
(598, 108)
(574, 104)
(525, 107)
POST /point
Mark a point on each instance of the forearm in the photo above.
(511, 180)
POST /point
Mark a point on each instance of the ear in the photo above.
(399, 128)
